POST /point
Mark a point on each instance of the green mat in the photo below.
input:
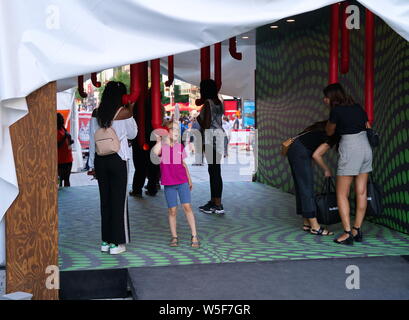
(260, 224)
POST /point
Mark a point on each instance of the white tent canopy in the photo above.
(48, 40)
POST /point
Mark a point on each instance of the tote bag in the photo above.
(374, 193)
(327, 207)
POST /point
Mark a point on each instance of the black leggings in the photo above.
(215, 175)
(64, 172)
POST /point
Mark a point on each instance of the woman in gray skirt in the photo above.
(349, 120)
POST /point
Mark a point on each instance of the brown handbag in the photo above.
(285, 146)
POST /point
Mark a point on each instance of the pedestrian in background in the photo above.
(65, 159)
(227, 129)
(210, 119)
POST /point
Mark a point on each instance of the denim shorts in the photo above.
(171, 194)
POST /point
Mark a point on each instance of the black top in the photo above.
(316, 136)
(349, 119)
(312, 140)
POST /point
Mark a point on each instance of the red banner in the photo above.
(230, 107)
(83, 129)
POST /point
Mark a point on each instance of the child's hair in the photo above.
(167, 124)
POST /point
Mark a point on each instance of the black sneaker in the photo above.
(218, 209)
(214, 209)
(151, 194)
(206, 207)
(135, 194)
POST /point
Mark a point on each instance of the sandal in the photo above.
(306, 228)
(321, 232)
(174, 242)
(358, 236)
(348, 241)
(195, 244)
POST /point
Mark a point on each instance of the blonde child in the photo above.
(176, 180)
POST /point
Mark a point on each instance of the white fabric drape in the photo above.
(47, 40)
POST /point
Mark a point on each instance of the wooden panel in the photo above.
(32, 220)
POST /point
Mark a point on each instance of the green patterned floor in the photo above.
(259, 225)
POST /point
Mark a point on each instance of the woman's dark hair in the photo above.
(337, 96)
(208, 90)
(111, 101)
(317, 126)
(60, 121)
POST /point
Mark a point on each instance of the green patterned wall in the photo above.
(292, 69)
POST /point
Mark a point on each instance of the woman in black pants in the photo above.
(112, 170)
(210, 120)
(312, 145)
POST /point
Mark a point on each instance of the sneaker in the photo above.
(206, 207)
(117, 249)
(219, 209)
(104, 247)
(214, 209)
(135, 194)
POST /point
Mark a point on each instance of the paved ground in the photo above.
(379, 278)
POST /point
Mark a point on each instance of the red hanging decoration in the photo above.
(156, 96)
(345, 39)
(334, 30)
(218, 65)
(233, 49)
(204, 68)
(369, 64)
(94, 80)
(81, 91)
(135, 86)
(140, 107)
(171, 71)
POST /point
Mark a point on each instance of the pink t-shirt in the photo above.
(171, 165)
